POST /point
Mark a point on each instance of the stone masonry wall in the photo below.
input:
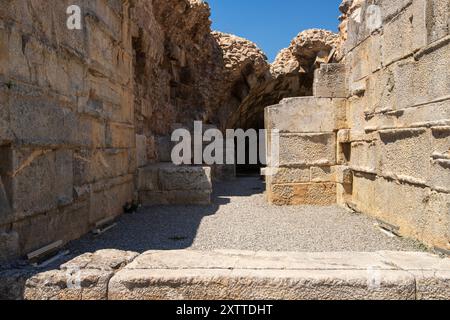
(67, 136)
(398, 76)
(389, 157)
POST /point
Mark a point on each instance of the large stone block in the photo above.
(173, 178)
(141, 151)
(397, 45)
(416, 211)
(405, 154)
(87, 284)
(67, 223)
(176, 197)
(105, 99)
(306, 114)
(92, 132)
(323, 174)
(12, 282)
(99, 164)
(9, 246)
(109, 197)
(164, 146)
(437, 227)
(148, 178)
(440, 167)
(330, 81)
(120, 135)
(287, 175)
(39, 119)
(307, 149)
(364, 156)
(364, 59)
(437, 17)
(262, 275)
(422, 80)
(5, 207)
(319, 194)
(50, 170)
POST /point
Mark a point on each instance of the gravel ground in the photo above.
(241, 219)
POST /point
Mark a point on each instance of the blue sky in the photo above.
(272, 24)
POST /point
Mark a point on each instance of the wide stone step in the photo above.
(186, 274)
(166, 183)
(269, 275)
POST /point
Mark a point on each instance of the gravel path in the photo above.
(241, 219)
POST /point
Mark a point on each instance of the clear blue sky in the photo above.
(272, 24)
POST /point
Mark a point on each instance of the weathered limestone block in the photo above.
(120, 135)
(173, 178)
(148, 178)
(4, 51)
(101, 47)
(307, 149)
(356, 108)
(9, 246)
(440, 167)
(437, 227)
(108, 198)
(109, 260)
(380, 93)
(397, 45)
(5, 207)
(106, 99)
(364, 196)
(323, 174)
(245, 284)
(330, 81)
(164, 147)
(431, 273)
(422, 81)
(437, 17)
(99, 164)
(319, 194)
(39, 119)
(67, 223)
(84, 278)
(61, 285)
(233, 275)
(405, 154)
(416, 211)
(166, 184)
(431, 114)
(306, 114)
(141, 150)
(12, 282)
(364, 156)
(92, 132)
(51, 169)
(176, 197)
(287, 175)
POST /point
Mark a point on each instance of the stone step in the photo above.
(236, 275)
(267, 275)
(166, 183)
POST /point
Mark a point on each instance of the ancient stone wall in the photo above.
(83, 110)
(399, 114)
(390, 155)
(67, 136)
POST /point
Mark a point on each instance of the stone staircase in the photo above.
(186, 274)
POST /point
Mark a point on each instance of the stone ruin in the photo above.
(86, 116)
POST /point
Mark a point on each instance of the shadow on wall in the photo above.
(164, 227)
